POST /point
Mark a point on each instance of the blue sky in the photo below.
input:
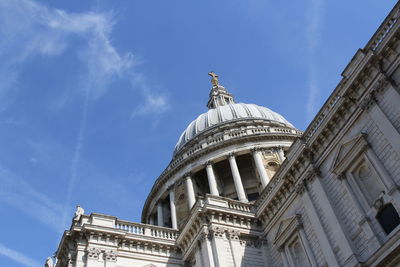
(94, 94)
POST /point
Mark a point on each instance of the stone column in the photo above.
(206, 250)
(260, 168)
(237, 179)
(281, 154)
(222, 258)
(189, 190)
(151, 219)
(212, 182)
(160, 215)
(237, 251)
(173, 208)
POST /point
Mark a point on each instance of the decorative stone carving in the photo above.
(250, 243)
(110, 255)
(300, 188)
(93, 253)
(204, 235)
(72, 256)
(312, 174)
(233, 234)
(367, 101)
(217, 231)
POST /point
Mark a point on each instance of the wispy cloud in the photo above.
(29, 29)
(155, 104)
(313, 32)
(18, 257)
(19, 194)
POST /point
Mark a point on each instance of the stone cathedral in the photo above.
(246, 188)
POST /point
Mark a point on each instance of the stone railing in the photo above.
(111, 222)
(239, 206)
(228, 203)
(146, 230)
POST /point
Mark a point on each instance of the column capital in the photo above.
(231, 155)
(314, 172)
(110, 255)
(217, 231)
(232, 234)
(171, 187)
(93, 253)
(187, 175)
(209, 163)
(301, 187)
(170, 191)
(367, 101)
(256, 150)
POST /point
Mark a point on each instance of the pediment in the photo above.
(347, 151)
(286, 228)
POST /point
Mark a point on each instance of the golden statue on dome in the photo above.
(214, 79)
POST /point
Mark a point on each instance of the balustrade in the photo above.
(147, 230)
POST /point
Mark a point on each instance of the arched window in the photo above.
(388, 218)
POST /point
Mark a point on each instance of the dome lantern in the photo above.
(219, 96)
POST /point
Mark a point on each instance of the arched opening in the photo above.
(388, 218)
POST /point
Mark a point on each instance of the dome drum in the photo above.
(230, 151)
(175, 180)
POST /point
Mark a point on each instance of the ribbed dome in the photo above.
(224, 114)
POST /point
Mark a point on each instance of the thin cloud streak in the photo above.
(313, 37)
(18, 257)
(50, 32)
(76, 158)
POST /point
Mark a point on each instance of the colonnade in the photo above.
(213, 187)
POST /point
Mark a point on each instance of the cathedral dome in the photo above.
(228, 113)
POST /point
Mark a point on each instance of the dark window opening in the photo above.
(388, 218)
(252, 196)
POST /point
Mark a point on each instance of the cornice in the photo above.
(343, 107)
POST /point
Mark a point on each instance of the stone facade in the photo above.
(248, 189)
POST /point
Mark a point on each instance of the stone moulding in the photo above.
(286, 228)
(321, 134)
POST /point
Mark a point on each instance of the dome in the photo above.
(228, 113)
